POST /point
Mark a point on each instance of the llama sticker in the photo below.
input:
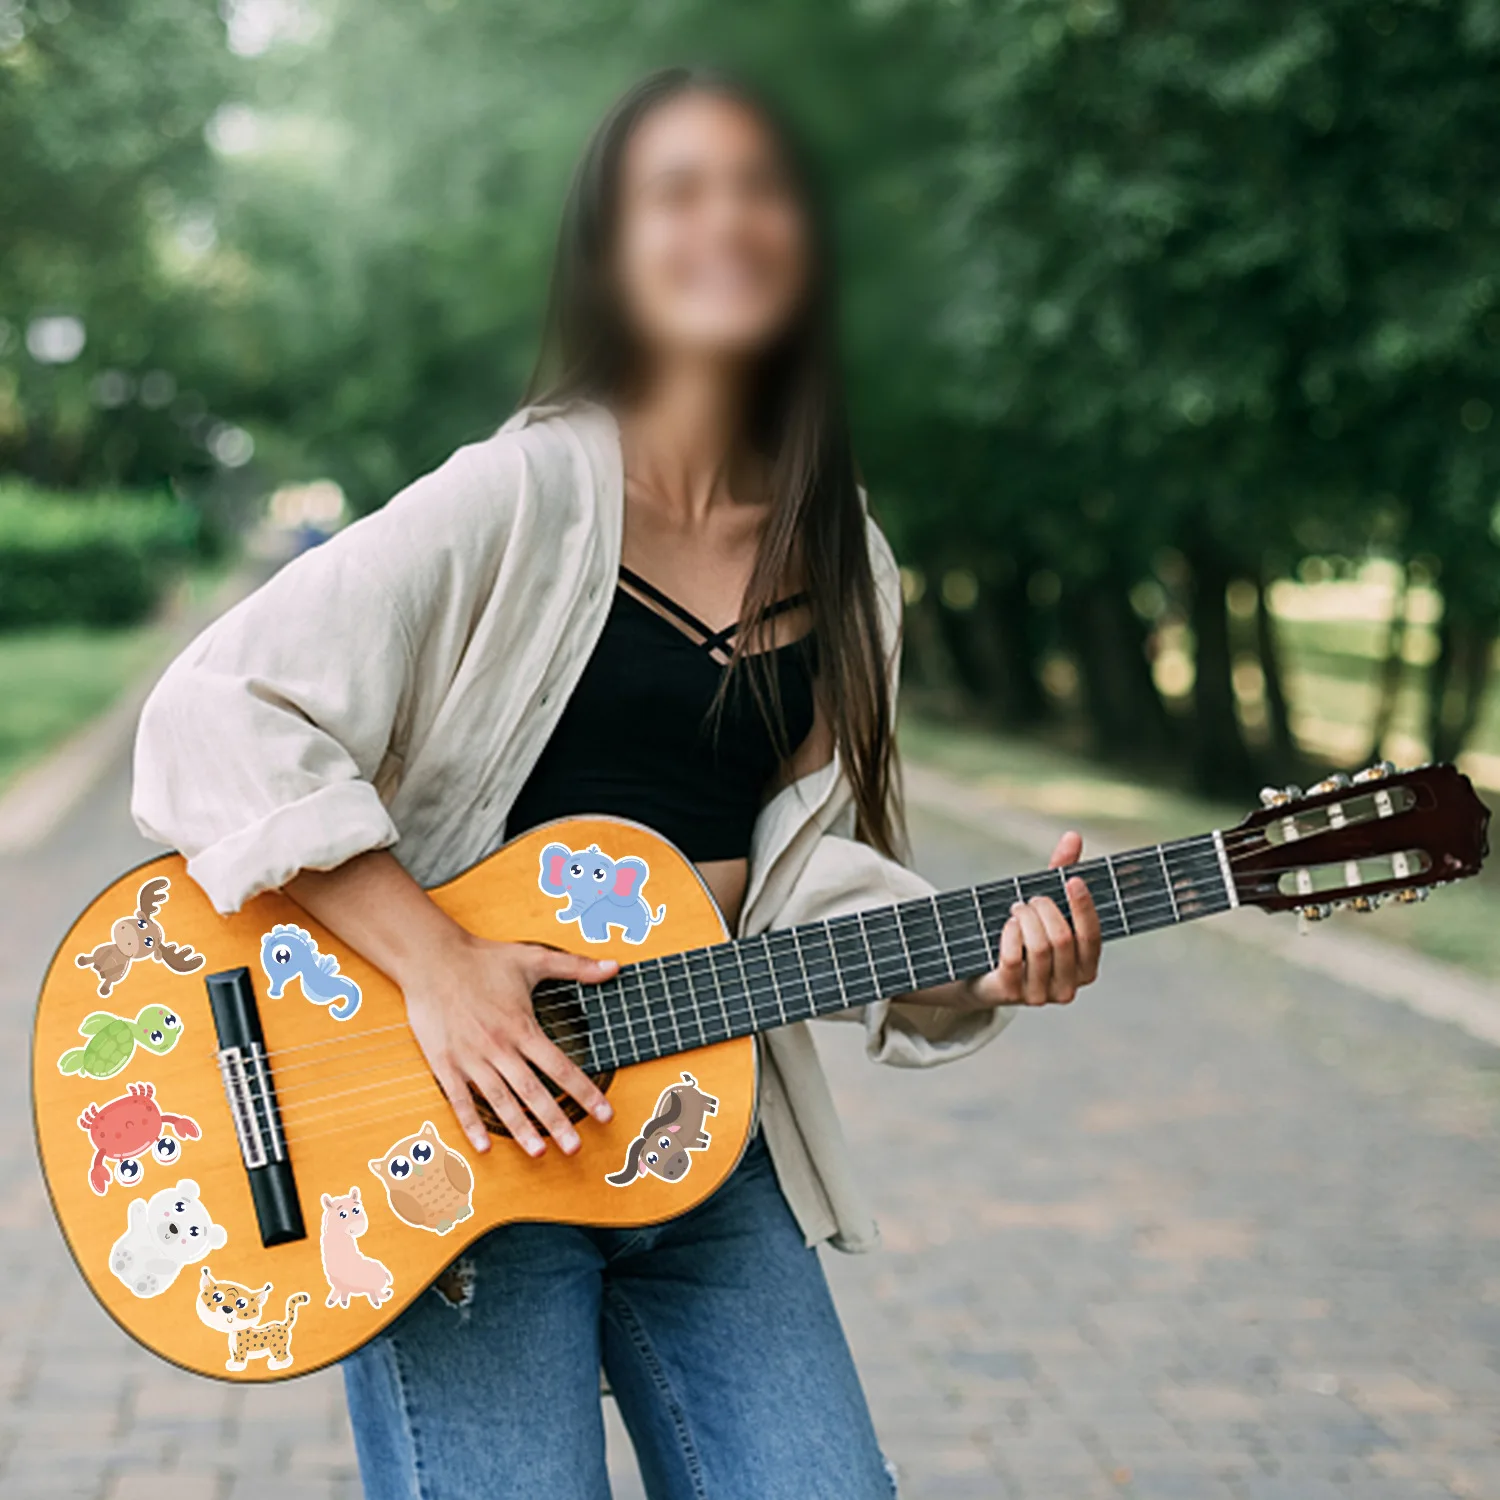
(602, 892)
(139, 936)
(350, 1272)
(288, 952)
(674, 1129)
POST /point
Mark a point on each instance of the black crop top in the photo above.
(639, 738)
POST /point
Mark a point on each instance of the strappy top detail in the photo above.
(653, 732)
(713, 640)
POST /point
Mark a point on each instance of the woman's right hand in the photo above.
(470, 1009)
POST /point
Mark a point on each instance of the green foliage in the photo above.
(103, 560)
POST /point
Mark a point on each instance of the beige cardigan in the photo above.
(395, 686)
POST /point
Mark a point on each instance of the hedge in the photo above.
(102, 560)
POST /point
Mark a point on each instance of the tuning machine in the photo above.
(1366, 903)
(1335, 783)
(1319, 912)
(1274, 796)
(1412, 894)
(1378, 772)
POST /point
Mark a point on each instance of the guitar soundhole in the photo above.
(563, 1020)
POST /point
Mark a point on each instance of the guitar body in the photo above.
(138, 1139)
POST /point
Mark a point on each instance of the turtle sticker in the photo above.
(126, 1129)
(289, 952)
(139, 937)
(112, 1040)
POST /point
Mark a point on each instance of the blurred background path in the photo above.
(1223, 1229)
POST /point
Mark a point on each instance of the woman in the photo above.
(653, 593)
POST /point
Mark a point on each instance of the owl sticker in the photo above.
(427, 1185)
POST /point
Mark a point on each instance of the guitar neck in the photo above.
(661, 1006)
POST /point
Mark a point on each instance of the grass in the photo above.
(1458, 925)
(52, 682)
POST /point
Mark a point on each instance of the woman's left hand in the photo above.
(1044, 961)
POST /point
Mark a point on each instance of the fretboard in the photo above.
(660, 1006)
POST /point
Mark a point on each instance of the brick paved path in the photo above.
(1219, 1231)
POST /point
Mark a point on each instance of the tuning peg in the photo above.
(1378, 772)
(1319, 913)
(1335, 783)
(1279, 796)
(1366, 903)
(1412, 894)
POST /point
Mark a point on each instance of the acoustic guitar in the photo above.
(256, 1171)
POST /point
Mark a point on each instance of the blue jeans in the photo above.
(717, 1332)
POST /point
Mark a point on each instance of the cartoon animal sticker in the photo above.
(602, 892)
(139, 936)
(427, 1185)
(112, 1040)
(350, 1272)
(236, 1311)
(163, 1234)
(675, 1129)
(125, 1129)
(288, 952)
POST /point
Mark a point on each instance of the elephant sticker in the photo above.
(602, 892)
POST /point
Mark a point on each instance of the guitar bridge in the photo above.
(250, 1090)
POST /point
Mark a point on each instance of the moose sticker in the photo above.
(125, 1129)
(675, 1129)
(139, 936)
(288, 952)
(237, 1312)
(602, 892)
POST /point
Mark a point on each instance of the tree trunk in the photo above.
(1127, 717)
(1392, 670)
(1222, 765)
(1268, 648)
(1459, 678)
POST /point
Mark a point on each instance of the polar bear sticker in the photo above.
(163, 1234)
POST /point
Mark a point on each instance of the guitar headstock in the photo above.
(1359, 840)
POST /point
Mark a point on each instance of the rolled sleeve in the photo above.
(258, 751)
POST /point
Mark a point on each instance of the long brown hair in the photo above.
(800, 423)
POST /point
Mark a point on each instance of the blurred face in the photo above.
(712, 251)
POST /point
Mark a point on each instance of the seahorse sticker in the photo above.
(288, 952)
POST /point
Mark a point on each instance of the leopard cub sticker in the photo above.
(238, 1313)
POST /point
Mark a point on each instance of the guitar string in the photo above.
(572, 997)
(576, 994)
(751, 1004)
(1212, 876)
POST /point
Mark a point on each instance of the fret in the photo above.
(856, 969)
(964, 940)
(729, 976)
(994, 903)
(1143, 885)
(991, 946)
(888, 955)
(1114, 883)
(787, 975)
(1197, 878)
(601, 1010)
(819, 963)
(714, 1015)
(760, 983)
(918, 925)
(685, 998)
(656, 1000)
(1166, 875)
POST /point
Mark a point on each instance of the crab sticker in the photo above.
(112, 1040)
(126, 1129)
(426, 1184)
(674, 1129)
(350, 1272)
(238, 1312)
(602, 892)
(164, 1233)
(288, 952)
(138, 937)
